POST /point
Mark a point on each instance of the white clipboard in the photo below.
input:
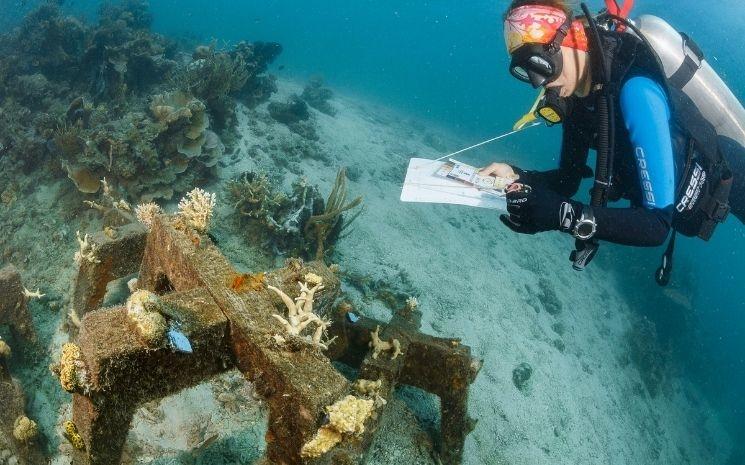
(422, 185)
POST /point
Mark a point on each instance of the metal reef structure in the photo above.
(231, 328)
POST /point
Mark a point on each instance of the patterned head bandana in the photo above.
(537, 24)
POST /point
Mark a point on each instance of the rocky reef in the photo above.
(317, 96)
(117, 100)
(300, 223)
(294, 114)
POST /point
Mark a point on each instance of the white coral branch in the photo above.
(87, 250)
(196, 209)
(32, 295)
(300, 315)
(378, 345)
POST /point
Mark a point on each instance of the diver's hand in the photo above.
(500, 170)
(537, 209)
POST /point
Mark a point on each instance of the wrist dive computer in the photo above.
(586, 226)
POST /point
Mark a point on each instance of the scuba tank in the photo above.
(685, 67)
(703, 198)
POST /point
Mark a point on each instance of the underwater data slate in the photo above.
(431, 181)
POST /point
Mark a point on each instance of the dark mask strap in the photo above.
(561, 34)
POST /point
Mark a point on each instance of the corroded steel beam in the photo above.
(116, 258)
(441, 366)
(233, 325)
(123, 371)
(13, 309)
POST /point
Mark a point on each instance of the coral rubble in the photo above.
(295, 115)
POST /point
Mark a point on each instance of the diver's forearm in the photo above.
(639, 227)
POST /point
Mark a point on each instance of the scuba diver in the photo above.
(605, 82)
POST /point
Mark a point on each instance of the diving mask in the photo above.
(536, 64)
(534, 35)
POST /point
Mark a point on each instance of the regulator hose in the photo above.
(606, 117)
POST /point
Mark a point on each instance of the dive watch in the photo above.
(586, 226)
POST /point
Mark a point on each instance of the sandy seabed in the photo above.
(513, 299)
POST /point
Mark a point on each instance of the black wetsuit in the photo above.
(649, 159)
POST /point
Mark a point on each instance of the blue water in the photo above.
(444, 61)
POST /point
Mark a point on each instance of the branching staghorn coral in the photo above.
(32, 294)
(196, 208)
(146, 213)
(378, 345)
(328, 226)
(300, 315)
(86, 250)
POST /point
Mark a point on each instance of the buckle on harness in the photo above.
(717, 211)
(720, 211)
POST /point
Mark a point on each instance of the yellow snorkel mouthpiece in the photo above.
(530, 116)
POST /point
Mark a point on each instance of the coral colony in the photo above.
(131, 122)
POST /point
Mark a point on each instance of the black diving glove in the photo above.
(538, 209)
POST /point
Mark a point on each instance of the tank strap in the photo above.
(690, 65)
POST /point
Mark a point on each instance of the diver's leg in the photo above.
(735, 156)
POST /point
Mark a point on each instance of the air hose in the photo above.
(606, 120)
(586, 250)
